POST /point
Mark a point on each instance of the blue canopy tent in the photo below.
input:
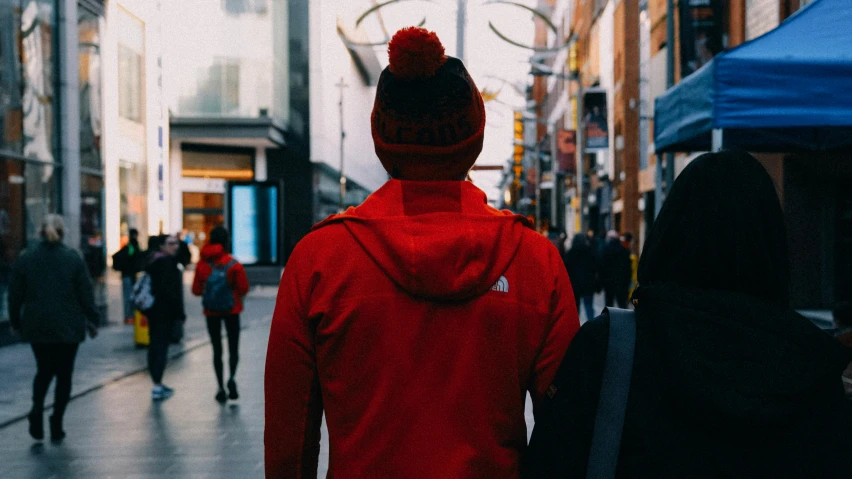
(789, 90)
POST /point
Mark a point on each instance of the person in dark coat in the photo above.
(727, 380)
(167, 289)
(615, 271)
(94, 254)
(184, 256)
(581, 263)
(129, 261)
(52, 306)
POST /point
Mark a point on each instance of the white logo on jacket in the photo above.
(502, 285)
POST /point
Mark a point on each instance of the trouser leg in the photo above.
(589, 304)
(65, 356)
(214, 329)
(44, 374)
(232, 326)
(158, 347)
(126, 290)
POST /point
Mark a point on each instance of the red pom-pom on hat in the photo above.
(415, 53)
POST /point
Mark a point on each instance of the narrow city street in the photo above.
(116, 431)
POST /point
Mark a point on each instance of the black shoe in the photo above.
(221, 397)
(56, 432)
(232, 390)
(36, 425)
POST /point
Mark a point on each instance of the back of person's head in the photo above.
(155, 241)
(721, 227)
(52, 228)
(133, 233)
(628, 237)
(219, 235)
(579, 241)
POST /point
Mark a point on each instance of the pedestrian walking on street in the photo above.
(52, 305)
(167, 311)
(419, 320)
(184, 256)
(129, 261)
(615, 271)
(94, 254)
(222, 283)
(726, 379)
(581, 264)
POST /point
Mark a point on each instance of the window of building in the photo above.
(89, 57)
(130, 84)
(240, 7)
(229, 166)
(41, 196)
(131, 53)
(36, 40)
(133, 187)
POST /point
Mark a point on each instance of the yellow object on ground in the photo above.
(140, 329)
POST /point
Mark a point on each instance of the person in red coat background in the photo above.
(221, 282)
(419, 320)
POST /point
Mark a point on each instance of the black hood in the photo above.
(730, 356)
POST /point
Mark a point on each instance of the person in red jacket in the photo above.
(222, 283)
(419, 320)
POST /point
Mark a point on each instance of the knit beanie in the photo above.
(428, 119)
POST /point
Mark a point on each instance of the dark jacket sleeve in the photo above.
(561, 439)
(84, 290)
(17, 291)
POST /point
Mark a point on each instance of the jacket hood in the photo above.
(435, 239)
(730, 356)
(212, 252)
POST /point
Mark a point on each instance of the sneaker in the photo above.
(160, 393)
(221, 397)
(36, 425)
(232, 390)
(56, 432)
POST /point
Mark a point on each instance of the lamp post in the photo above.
(342, 206)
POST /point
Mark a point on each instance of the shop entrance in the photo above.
(201, 213)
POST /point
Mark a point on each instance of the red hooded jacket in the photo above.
(418, 321)
(236, 274)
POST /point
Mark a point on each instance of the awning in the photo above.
(788, 90)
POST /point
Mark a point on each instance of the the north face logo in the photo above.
(502, 285)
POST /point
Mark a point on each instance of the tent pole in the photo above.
(718, 137)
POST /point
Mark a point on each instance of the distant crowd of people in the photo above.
(596, 266)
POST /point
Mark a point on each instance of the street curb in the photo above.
(203, 342)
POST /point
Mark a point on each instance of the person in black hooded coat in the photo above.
(727, 380)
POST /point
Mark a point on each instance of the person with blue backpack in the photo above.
(221, 282)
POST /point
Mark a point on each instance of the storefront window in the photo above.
(91, 206)
(11, 221)
(131, 51)
(90, 89)
(11, 102)
(133, 185)
(38, 79)
(27, 78)
(41, 196)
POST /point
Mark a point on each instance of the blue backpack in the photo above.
(218, 296)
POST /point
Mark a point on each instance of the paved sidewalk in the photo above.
(118, 432)
(112, 355)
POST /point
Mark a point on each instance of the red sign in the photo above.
(566, 149)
